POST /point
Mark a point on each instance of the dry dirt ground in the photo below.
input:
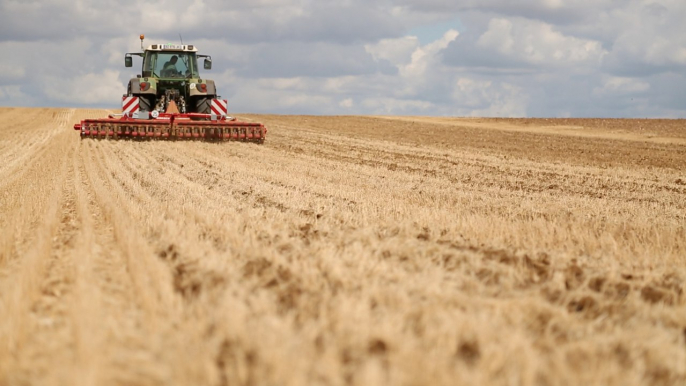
(345, 251)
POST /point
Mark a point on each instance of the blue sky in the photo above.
(433, 31)
(535, 58)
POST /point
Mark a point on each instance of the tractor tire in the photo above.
(202, 105)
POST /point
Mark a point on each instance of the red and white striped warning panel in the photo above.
(218, 106)
(129, 105)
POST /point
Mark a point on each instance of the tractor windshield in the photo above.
(175, 64)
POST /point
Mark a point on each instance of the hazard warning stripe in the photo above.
(218, 106)
(128, 102)
(129, 105)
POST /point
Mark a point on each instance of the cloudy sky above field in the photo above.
(553, 58)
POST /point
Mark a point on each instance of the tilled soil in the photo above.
(344, 251)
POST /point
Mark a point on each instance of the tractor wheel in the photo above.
(144, 104)
(202, 105)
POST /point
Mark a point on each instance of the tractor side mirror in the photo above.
(207, 64)
(128, 61)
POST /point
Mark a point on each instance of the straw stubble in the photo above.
(345, 250)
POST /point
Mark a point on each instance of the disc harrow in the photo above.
(173, 126)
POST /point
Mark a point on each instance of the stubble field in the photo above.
(345, 251)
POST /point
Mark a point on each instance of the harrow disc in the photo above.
(172, 127)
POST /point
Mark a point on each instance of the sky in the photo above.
(490, 58)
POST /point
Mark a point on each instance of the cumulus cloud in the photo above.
(347, 103)
(397, 51)
(521, 43)
(423, 57)
(77, 90)
(654, 40)
(538, 43)
(618, 85)
(488, 98)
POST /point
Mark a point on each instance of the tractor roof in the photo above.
(172, 47)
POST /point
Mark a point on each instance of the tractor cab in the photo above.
(170, 64)
(170, 61)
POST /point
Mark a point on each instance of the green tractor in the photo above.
(170, 73)
(169, 101)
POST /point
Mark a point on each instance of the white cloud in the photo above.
(647, 37)
(340, 84)
(490, 99)
(620, 85)
(538, 43)
(424, 56)
(92, 88)
(397, 51)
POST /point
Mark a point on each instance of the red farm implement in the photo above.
(144, 125)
